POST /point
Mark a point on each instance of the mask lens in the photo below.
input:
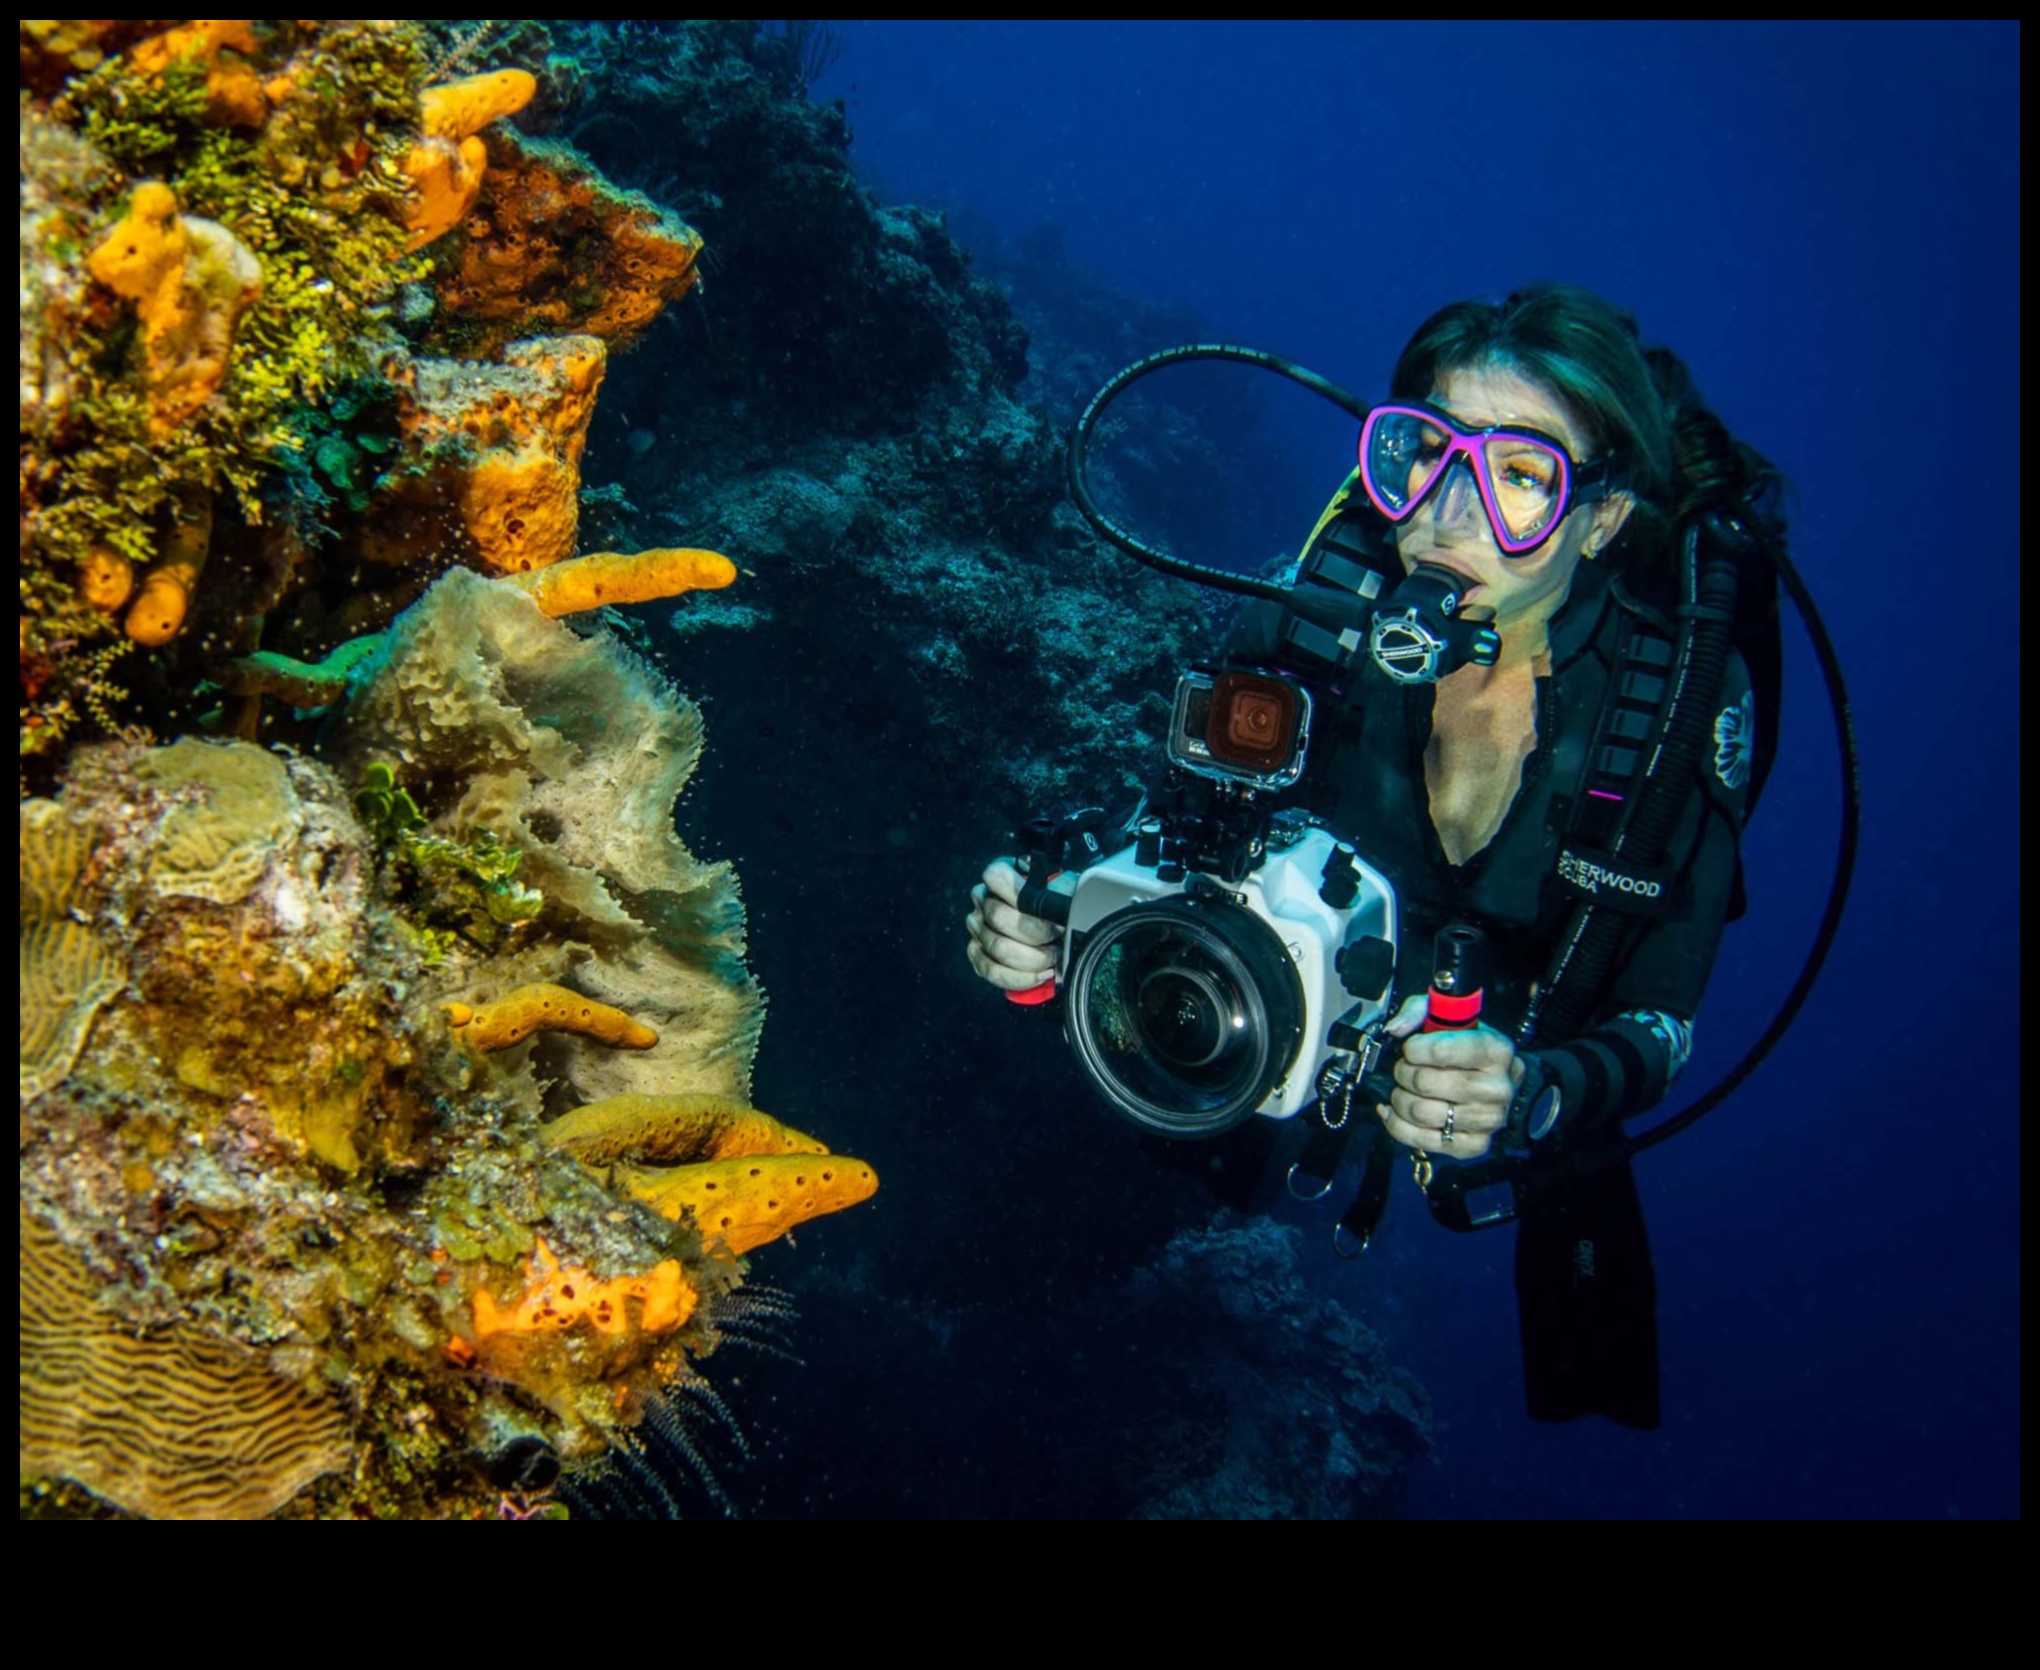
(1399, 454)
(1527, 481)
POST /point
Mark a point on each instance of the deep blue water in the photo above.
(1823, 220)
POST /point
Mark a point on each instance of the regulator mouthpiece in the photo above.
(1417, 636)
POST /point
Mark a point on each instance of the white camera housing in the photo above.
(1223, 996)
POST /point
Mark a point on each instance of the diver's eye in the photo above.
(1527, 470)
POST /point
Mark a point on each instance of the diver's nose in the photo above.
(1459, 493)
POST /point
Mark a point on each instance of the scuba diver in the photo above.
(1535, 636)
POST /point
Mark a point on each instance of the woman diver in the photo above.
(1538, 462)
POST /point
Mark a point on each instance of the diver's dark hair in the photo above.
(1636, 403)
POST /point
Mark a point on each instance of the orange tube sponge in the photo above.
(456, 109)
(557, 1297)
(446, 166)
(606, 578)
(106, 579)
(158, 613)
(683, 1128)
(744, 1203)
(547, 1008)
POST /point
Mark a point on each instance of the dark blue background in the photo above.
(1823, 219)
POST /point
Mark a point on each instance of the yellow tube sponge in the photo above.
(106, 579)
(557, 1297)
(456, 109)
(673, 1129)
(145, 247)
(547, 1008)
(446, 178)
(446, 166)
(167, 588)
(743, 1203)
(608, 578)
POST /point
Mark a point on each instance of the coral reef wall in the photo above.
(838, 404)
(348, 865)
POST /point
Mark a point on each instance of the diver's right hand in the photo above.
(1012, 950)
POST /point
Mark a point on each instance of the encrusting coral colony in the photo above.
(386, 1143)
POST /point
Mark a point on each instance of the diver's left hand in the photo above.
(1458, 1081)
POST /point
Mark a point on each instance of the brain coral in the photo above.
(230, 881)
(171, 1424)
(67, 971)
(232, 807)
(263, 1208)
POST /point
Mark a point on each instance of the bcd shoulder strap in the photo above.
(1631, 720)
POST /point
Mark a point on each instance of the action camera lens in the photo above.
(1254, 721)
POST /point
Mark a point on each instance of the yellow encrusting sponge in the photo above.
(556, 1297)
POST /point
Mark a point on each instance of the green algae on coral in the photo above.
(470, 885)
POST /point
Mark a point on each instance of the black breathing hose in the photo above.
(1080, 442)
(1845, 862)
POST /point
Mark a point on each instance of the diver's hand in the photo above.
(1015, 952)
(1472, 1074)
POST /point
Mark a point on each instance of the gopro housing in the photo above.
(1241, 725)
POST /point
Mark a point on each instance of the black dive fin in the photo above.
(1587, 1293)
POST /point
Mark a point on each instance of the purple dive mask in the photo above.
(1526, 480)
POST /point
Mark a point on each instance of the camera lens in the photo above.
(1186, 1017)
(1186, 1014)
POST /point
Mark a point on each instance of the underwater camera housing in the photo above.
(1213, 967)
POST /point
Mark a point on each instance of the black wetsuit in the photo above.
(1367, 782)
(1586, 1288)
